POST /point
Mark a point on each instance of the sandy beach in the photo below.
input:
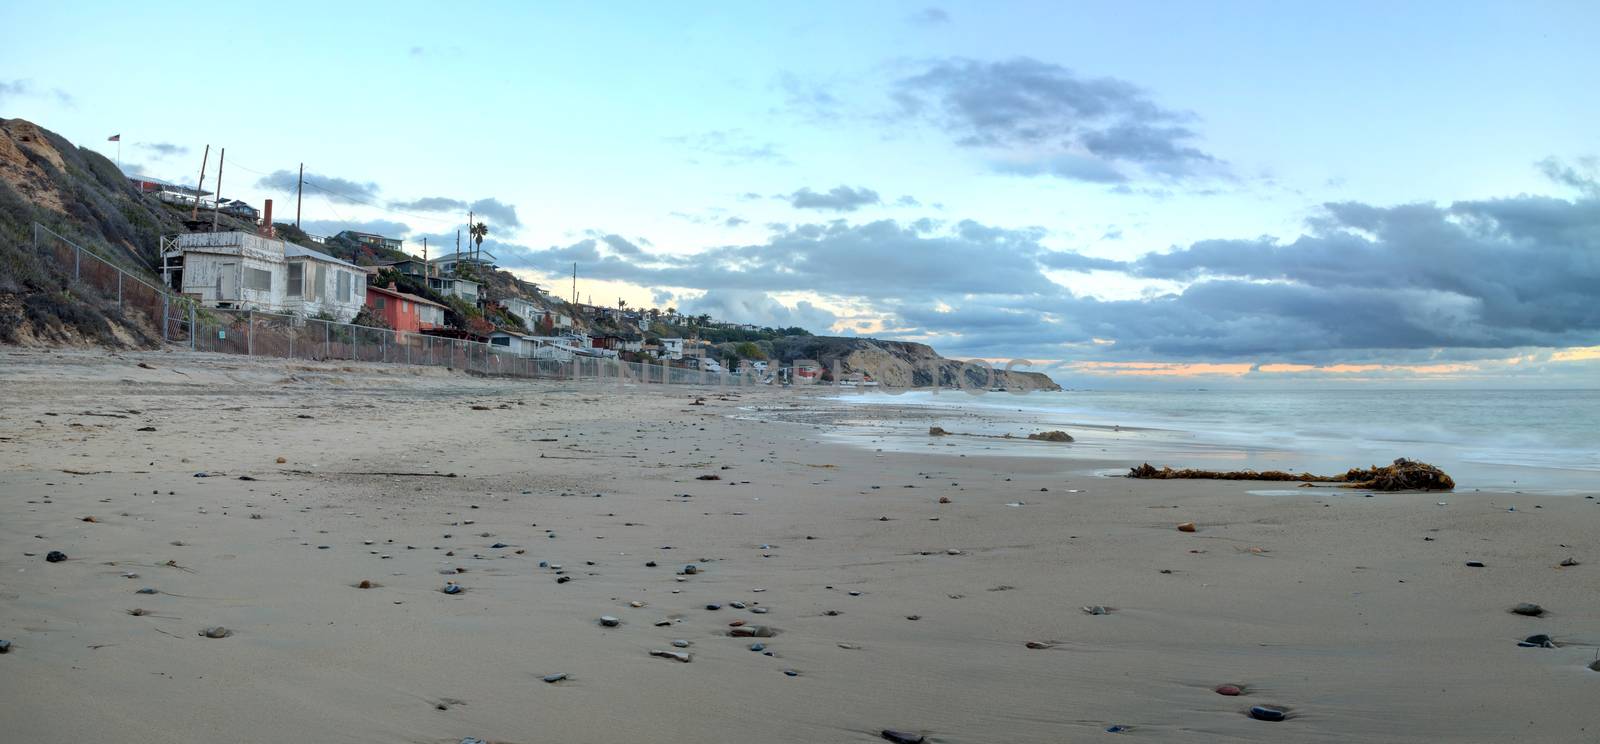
(1358, 615)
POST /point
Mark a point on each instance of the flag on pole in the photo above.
(114, 138)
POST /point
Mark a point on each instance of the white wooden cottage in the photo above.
(244, 271)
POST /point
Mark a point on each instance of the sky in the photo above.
(1119, 193)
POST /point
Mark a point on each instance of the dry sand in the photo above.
(1337, 606)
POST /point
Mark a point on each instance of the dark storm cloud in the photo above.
(342, 190)
(1044, 111)
(837, 199)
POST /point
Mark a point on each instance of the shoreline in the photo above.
(1357, 614)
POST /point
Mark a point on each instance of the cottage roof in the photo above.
(290, 250)
(402, 295)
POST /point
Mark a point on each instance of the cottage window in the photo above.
(258, 279)
(344, 286)
(297, 278)
(377, 302)
(319, 285)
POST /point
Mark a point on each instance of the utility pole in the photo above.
(471, 233)
(194, 214)
(299, 191)
(424, 259)
(574, 284)
(216, 204)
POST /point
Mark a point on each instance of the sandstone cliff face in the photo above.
(904, 364)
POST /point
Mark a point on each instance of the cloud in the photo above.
(431, 204)
(808, 99)
(499, 213)
(929, 16)
(758, 308)
(495, 212)
(907, 201)
(838, 199)
(731, 146)
(162, 149)
(1585, 177)
(1046, 119)
(386, 228)
(20, 87)
(339, 190)
(735, 221)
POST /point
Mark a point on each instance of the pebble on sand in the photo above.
(1474, 564)
(554, 678)
(55, 556)
(1186, 527)
(1229, 690)
(678, 655)
(5, 647)
(452, 587)
(216, 632)
(902, 737)
(753, 631)
(609, 621)
(1537, 640)
(1528, 609)
(1267, 713)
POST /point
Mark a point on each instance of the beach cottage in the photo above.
(244, 271)
(404, 312)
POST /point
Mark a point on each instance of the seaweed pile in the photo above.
(1051, 436)
(1403, 475)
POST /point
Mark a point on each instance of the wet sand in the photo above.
(1334, 605)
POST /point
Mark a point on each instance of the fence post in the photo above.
(165, 336)
(292, 334)
(327, 340)
(119, 292)
(77, 263)
(193, 330)
(250, 334)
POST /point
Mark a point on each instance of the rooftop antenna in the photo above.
(298, 191)
(194, 214)
(574, 282)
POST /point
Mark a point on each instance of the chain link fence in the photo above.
(168, 315)
(180, 320)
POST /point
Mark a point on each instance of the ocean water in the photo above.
(1529, 440)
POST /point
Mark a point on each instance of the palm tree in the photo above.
(672, 312)
(477, 233)
(705, 319)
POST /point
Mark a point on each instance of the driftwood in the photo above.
(1403, 475)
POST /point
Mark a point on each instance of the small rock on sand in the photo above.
(1528, 609)
(609, 621)
(5, 647)
(1267, 713)
(1229, 690)
(678, 655)
(553, 678)
(55, 556)
(902, 737)
(1186, 527)
(216, 632)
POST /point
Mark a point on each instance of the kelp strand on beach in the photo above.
(1402, 475)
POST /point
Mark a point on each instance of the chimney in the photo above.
(266, 222)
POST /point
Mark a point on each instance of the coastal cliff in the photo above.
(903, 364)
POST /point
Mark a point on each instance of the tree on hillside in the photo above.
(476, 234)
(703, 319)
